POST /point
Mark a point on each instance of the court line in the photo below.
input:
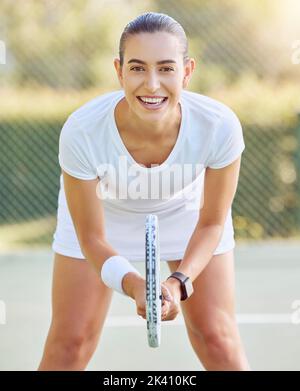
(260, 318)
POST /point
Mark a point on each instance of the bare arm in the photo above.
(88, 218)
(219, 190)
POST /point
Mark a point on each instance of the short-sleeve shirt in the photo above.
(91, 147)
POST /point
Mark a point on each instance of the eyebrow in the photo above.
(158, 62)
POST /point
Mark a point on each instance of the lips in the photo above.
(152, 106)
(152, 97)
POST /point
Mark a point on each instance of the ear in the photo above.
(189, 68)
(118, 69)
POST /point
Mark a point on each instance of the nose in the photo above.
(152, 82)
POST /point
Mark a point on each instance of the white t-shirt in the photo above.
(90, 146)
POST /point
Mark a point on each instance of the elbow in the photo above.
(88, 243)
(212, 229)
(213, 225)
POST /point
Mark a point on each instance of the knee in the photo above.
(72, 347)
(222, 340)
(220, 336)
(220, 346)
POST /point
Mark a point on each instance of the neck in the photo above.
(147, 131)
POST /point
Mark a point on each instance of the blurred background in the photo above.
(55, 56)
(60, 54)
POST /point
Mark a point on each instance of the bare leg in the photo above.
(80, 302)
(209, 316)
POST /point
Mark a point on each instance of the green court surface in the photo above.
(267, 294)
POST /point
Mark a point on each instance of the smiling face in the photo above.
(153, 75)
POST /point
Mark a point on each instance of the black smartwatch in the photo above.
(186, 285)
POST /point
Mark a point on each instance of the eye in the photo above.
(138, 69)
(167, 69)
(164, 69)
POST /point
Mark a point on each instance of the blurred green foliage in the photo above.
(60, 55)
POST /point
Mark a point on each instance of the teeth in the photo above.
(151, 100)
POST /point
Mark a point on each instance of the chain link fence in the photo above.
(60, 54)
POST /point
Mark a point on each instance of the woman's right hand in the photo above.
(135, 286)
(139, 295)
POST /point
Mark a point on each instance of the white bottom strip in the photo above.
(136, 321)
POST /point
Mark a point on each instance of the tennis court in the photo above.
(267, 285)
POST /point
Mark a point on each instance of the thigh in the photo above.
(80, 300)
(213, 302)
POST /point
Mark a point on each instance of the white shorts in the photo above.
(126, 233)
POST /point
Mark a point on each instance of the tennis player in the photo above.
(151, 147)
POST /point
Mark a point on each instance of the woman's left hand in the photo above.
(171, 295)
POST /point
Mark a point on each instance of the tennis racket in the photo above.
(153, 287)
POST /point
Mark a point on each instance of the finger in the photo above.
(170, 313)
(166, 293)
(165, 307)
(164, 310)
(165, 290)
(166, 302)
(169, 316)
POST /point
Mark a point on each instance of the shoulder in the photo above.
(92, 113)
(209, 111)
(216, 126)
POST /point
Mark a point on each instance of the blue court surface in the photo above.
(268, 314)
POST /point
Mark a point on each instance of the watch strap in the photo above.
(181, 278)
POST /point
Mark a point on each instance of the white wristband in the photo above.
(113, 271)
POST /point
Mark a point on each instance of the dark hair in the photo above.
(152, 22)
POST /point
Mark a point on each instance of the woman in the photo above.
(152, 130)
